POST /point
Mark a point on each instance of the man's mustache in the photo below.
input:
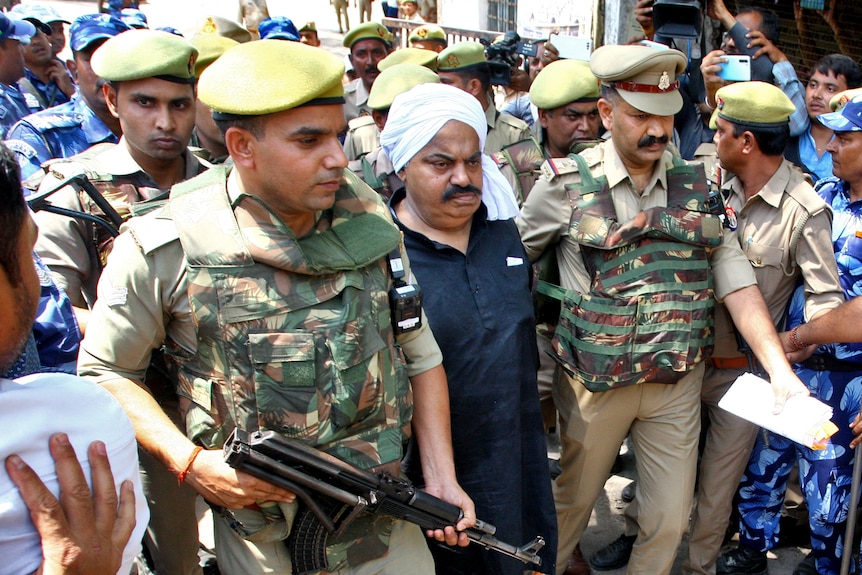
(652, 140)
(454, 190)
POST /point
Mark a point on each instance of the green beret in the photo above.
(269, 76)
(428, 32)
(644, 77)
(221, 26)
(367, 31)
(417, 56)
(562, 82)
(754, 104)
(139, 54)
(396, 80)
(462, 55)
(209, 48)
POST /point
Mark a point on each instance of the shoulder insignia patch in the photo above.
(22, 148)
(554, 167)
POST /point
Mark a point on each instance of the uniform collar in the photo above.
(121, 162)
(616, 171)
(93, 127)
(772, 192)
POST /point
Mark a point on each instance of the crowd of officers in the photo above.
(678, 238)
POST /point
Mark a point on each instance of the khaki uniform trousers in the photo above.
(172, 534)
(408, 551)
(664, 421)
(727, 446)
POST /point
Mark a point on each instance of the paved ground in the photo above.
(607, 521)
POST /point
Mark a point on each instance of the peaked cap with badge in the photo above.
(269, 76)
(417, 56)
(849, 119)
(563, 82)
(169, 57)
(222, 27)
(752, 104)
(428, 32)
(839, 100)
(461, 55)
(644, 77)
(368, 31)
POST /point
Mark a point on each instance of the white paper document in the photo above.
(804, 419)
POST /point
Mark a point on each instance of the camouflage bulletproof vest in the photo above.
(294, 336)
(525, 159)
(649, 314)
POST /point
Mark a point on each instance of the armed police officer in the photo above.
(268, 288)
(642, 261)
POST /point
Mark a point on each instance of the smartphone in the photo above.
(813, 4)
(736, 69)
(572, 47)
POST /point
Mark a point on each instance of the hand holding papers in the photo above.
(804, 419)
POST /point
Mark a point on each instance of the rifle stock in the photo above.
(335, 492)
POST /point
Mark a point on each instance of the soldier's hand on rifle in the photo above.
(452, 493)
(223, 485)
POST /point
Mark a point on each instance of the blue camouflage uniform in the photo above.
(55, 329)
(13, 107)
(59, 132)
(833, 375)
(50, 92)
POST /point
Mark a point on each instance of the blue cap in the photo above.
(33, 14)
(849, 119)
(14, 29)
(134, 18)
(170, 30)
(278, 28)
(88, 28)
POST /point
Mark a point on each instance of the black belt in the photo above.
(829, 363)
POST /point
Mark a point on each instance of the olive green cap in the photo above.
(417, 56)
(209, 48)
(367, 31)
(839, 100)
(309, 26)
(221, 26)
(396, 80)
(563, 82)
(754, 104)
(139, 54)
(269, 76)
(427, 32)
(461, 55)
(644, 77)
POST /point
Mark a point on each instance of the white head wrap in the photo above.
(415, 118)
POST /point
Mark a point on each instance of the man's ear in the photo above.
(72, 66)
(606, 112)
(379, 118)
(749, 142)
(474, 87)
(110, 94)
(241, 145)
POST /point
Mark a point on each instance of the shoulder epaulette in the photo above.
(359, 122)
(21, 147)
(44, 121)
(500, 159)
(554, 167)
(806, 196)
(514, 122)
(151, 231)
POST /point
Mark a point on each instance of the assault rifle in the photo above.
(334, 493)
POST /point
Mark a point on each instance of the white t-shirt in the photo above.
(33, 408)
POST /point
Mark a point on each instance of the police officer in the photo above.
(368, 43)
(464, 66)
(154, 100)
(207, 140)
(363, 133)
(13, 105)
(308, 34)
(292, 251)
(633, 179)
(429, 37)
(84, 121)
(375, 168)
(46, 81)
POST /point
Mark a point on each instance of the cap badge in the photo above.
(664, 81)
(719, 103)
(421, 32)
(452, 60)
(209, 26)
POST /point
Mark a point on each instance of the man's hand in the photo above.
(223, 485)
(710, 66)
(785, 384)
(456, 496)
(767, 48)
(856, 428)
(643, 15)
(717, 10)
(57, 72)
(82, 534)
(793, 353)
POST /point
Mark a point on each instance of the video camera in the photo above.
(505, 54)
(677, 18)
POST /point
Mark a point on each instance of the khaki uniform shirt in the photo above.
(503, 130)
(381, 166)
(355, 100)
(66, 245)
(766, 224)
(362, 137)
(143, 302)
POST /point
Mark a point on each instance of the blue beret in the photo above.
(88, 28)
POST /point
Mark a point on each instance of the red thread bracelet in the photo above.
(794, 339)
(181, 476)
